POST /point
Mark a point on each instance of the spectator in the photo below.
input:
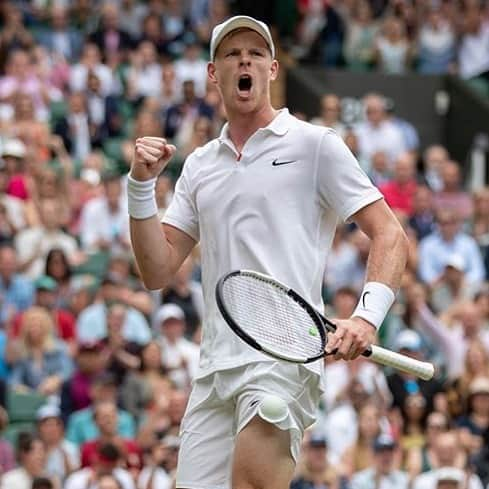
(330, 114)
(43, 362)
(62, 456)
(315, 469)
(378, 133)
(379, 169)
(14, 211)
(393, 50)
(31, 459)
(104, 222)
(141, 387)
(144, 74)
(382, 473)
(154, 475)
(17, 291)
(7, 455)
(14, 152)
(436, 249)
(359, 45)
(191, 66)
(106, 419)
(434, 159)
(436, 43)
(422, 220)
(399, 192)
(58, 268)
(480, 218)
(33, 244)
(92, 321)
(81, 426)
(179, 356)
(14, 34)
(451, 196)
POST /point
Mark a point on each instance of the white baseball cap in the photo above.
(240, 22)
(169, 311)
(15, 148)
(409, 340)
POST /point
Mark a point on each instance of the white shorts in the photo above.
(223, 403)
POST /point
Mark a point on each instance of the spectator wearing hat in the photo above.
(13, 153)
(401, 384)
(62, 456)
(81, 426)
(106, 464)
(180, 356)
(31, 458)
(14, 208)
(315, 469)
(475, 422)
(92, 321)
(383, 473)
(45, 297)
(450, 458)
(436, 248)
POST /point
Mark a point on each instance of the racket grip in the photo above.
(423, 370)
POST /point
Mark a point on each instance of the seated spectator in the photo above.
(434, 159)
(314, 468)
(382, 473)
(422, 220)
(480, 218)
(436, 43)
(81, 426)
(106, 419)
(14, 33)
(422, 459)
(399, 192)
(191, 66)
(31, 459)
(378, 133)
(452, 196)
(104, 222)
(106, 469)
(449, 454)
(448, 240)
(7, 455)
(330, 114)
(62, 456)
(59, 269)
(475, 422)
(43, 362)
(180, 357)
(76, 391)
(141, 386)
(33, 244)
(360, 455)
(154, 475)
(144, 72)
(92, 321)
(392, 47)
(14, 216)
(17, 290)
(413, 425)
(14, 153)
(359, 45)
(378, 169)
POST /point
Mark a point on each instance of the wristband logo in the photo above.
(363, 298)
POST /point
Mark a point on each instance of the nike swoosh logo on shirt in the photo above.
(279, 163)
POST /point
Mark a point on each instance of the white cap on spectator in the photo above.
(480, 385)
(91, 176)
(240, 22)
(450, 474)
(14, 147)
(456, 261)
(409, 340)
(48, 411)
(169, 311)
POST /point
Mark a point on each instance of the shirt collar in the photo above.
(279, 126)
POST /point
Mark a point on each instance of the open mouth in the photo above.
(244, 84)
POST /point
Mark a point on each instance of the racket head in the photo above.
(271, 317)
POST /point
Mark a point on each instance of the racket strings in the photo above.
(265, 312)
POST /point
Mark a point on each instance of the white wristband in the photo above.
(374, 303)
(141, 198)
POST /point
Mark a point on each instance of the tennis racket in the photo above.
(277, 321)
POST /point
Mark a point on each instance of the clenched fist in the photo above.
(151, 155)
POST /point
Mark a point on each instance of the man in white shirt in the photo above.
(266, 195)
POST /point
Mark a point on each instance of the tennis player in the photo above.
(266, 195)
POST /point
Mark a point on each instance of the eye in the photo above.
(256, 53)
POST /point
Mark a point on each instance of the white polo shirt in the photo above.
(273, 209)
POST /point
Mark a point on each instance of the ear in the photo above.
(274, 70)
(211, 72)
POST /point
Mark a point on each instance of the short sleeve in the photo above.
(343, 185)
(182, 211)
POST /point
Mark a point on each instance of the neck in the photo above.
(243, 126)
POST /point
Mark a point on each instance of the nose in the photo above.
(245, 59)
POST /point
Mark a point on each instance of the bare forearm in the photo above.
(152, 251)
(388, 257)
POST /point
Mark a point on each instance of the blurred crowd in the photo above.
(95, 371)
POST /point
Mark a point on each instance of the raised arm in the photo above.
(159, 249)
